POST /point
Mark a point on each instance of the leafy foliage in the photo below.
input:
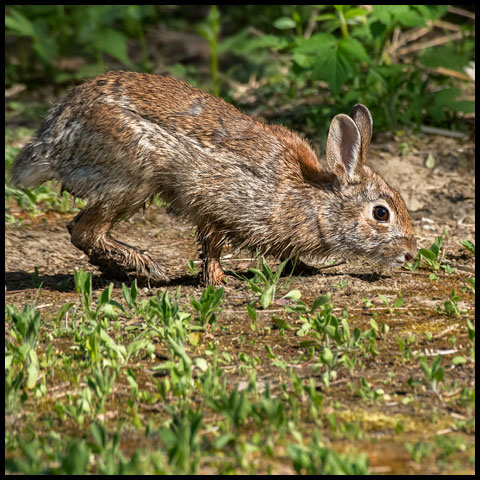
(345, 53)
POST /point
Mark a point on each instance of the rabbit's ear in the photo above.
(363, 120)
(343, 148)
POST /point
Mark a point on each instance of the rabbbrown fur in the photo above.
(123, 137)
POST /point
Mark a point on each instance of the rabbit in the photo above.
(122, 137)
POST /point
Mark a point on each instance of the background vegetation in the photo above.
(304, 62)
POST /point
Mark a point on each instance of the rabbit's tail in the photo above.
(30, 167)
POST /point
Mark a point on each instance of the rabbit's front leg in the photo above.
(90, 232)
(212, 272)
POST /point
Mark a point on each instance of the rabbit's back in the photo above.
(123, 137)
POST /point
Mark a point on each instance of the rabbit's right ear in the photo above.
(363, 120)
(343, 148)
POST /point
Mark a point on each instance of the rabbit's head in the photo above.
(363, 215)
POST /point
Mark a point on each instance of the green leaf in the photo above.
(252, 312)
(319, 301)
(459, 360)
(284, 23)
(327, 355)
(427, 254)
(398, 302)
(201, 363)
(267, 296)
(293, 294)
(20, 24)
(355, 12)
(63, 310)
(113, 43)
(353, 49)
(332, 60)
(105, 295)
(32, 370)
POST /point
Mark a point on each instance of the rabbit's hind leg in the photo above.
(90, 232)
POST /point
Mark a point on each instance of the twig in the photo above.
(451, 73)
(461, 11)
(444, 332)
(445, 25)
(311, 23)
(432, 43)
(458, 267)
(434, 353)
(442, 131)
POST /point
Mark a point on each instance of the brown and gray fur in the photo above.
(122, 137)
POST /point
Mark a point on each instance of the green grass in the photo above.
(141, 393)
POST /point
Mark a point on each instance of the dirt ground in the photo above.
(438, 197)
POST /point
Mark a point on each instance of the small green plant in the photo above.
(419, 450)
(264, 283)
(191, 268)
(207, 308)
(235, 406)
(183, 442)
(101, 382)
(315, 459)
(434, 373)
(451, 307)
(470, 246)
(131, 295)
(434, 255)
(105, 305)
(21, 361)
(391, 308)
(367, 391)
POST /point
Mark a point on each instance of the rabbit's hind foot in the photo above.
(121, 261)
(89, 232)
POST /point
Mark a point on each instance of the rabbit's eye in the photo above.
(381, 213)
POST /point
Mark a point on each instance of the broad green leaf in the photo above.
(459, 360)
(284, 23)
(201, 363)
(427, 254)
(20, 24)
(267, 296)
(114, 43)
(293, 294)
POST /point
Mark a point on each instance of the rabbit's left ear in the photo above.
(343, 148)
(363, 120)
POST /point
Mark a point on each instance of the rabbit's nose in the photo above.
(411, 251)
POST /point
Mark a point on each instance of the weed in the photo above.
(315, 459)
(206, 308)
(264, 283)
(419, 450)
(470, 246)
(182, 440)
(391, 308)
(434, 373)
(451, 306)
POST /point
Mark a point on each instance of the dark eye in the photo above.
(381, 213)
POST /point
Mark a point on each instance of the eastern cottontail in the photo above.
(122, 137)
